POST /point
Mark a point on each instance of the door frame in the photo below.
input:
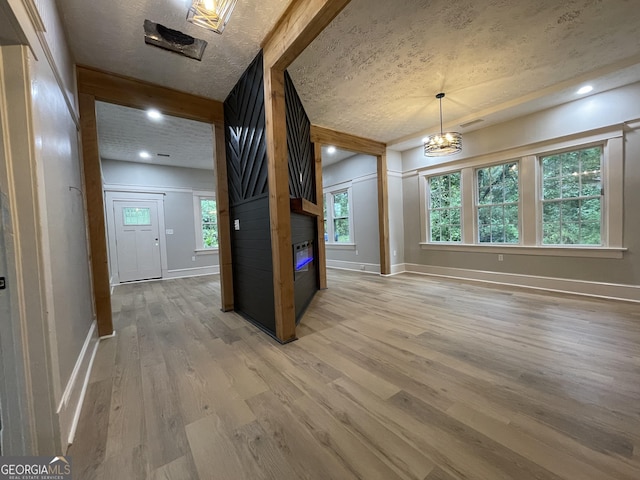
(112, 196)
(97, 85)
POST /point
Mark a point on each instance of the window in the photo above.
(338, 222)
(572, 197)
(206, 222)
(498, 203)
(136, 216)
(445, 208)
(546, 199)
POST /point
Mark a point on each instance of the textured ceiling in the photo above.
(124, 132)
(109, 35)
(376, 69)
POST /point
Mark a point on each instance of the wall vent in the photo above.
(173, 40)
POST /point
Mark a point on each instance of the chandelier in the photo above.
(443, 143)
(211, 14)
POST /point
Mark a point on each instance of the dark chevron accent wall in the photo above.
(245, 134)
(301, 166)
(249, 198)
(301, 160)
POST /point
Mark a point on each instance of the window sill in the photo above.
(549, 251)
(206, 251)
(340, 246)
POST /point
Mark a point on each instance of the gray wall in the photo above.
(597, 111)
(396, 208)
(177, 184)
(361, 170)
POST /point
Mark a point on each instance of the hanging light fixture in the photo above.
(443, 143)
(211, 14)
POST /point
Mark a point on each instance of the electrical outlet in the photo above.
(500, 257)
(395, 253)
(193, 259)
(356, 252)
(361, 267)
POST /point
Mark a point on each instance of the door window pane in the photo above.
(136, 216)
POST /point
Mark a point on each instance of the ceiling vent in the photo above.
(164, 155)
(173, 40)
(472, 122)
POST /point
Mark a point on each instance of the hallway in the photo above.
(406, 377)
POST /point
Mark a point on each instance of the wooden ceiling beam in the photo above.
(300, 24)
(131, 92)
(346, 141)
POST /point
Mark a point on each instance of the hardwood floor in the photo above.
(407, 377)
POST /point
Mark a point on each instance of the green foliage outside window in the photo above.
(572, 198)
(209, 223)
(498, 200)
(341, 232)
(445, 208)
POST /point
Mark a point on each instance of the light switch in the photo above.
(169, 231)
(236, 224)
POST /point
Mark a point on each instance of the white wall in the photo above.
(56, 271)
(568, 121)
(361, 172)
(178, 185)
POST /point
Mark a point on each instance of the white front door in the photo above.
(137, 240)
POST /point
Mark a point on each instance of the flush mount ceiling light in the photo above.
(211, 14)
(585, 89)
(144, 155)
(331, 150)
(443, 143)
(154, 114)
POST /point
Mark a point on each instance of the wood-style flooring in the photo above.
(407, 377)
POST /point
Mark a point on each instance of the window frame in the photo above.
(328, 195)
(429, 209)
(200, 249)
(530, 198)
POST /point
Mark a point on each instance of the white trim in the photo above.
(117, 187)
(549, 251)
(336, 186)
(613, 291)
(398, 269)
(578, 140)
(192, 272)
(206, 251)
(362, 178)
(73, 396)
(354, 266)
(339, 246)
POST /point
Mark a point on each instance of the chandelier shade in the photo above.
(443, 143)
(211, 14)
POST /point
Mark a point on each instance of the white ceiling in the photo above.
(124, 132)
(375, 70)
(109, 35)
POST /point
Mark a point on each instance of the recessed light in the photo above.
(154, 114)
(144, 155)
(585, 89)
(331, 150)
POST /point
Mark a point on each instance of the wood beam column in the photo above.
(95, 213)
(322, 254)
(279, 204)
(383, 215)
(224, 221)
(300, 24)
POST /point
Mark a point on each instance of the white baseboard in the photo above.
(73, 396)
(355, 266)
(614, 291)
(192, 272)
(398, 269)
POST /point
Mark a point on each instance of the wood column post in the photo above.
(383, 215)
(322, 254)
(95, 213)
(279, 204)
(224, 221)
